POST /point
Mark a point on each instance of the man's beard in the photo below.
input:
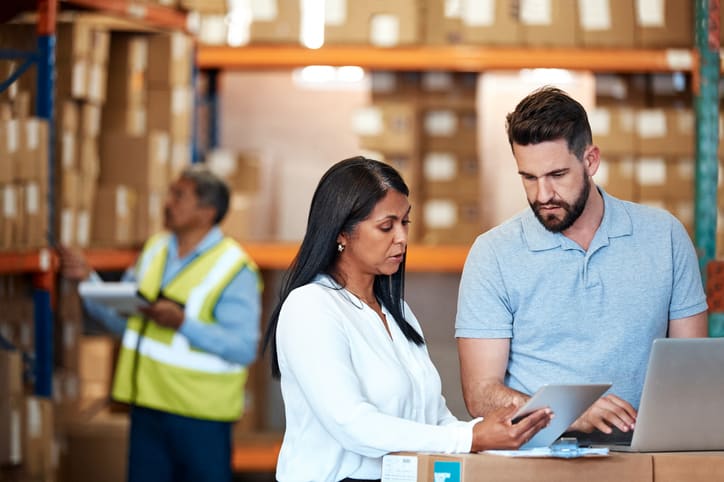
(572, 212)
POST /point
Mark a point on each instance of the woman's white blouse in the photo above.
(351, 392)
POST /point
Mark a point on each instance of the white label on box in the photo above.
(16, 446)
(154, 204)
(264, 10)
(600, 120)
(651, 123)
(162, 148)
(440, 214)
(679, 59)
(595, 14)
(68, 148)
(441, 123)
(651, 171)
(95, 82)
(437, 81)
(385, 30)
(138, 119)
(650, 13)
(69, 335)
(180, 100)
(140, 54)
(368, 121)
(10, 205)
(83, 228)
(335, 12)
(212, 29)
(452, 8)
(34, 418)
(12, 131)
(179, 45)
(478, 13)
(536, 12)
(180, 155)
(121, 202)
(399, 468)
(602, 175)
(67, 220)
(78, 86)
(32, 134)
(32, 198)
(383, 82)
(440, 167)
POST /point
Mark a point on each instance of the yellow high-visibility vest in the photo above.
(171, 375)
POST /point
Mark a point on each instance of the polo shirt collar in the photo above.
(616, 222)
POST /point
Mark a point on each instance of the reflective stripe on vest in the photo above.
(172, 375)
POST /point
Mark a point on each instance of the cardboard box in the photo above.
(170, 110)
(387, 85)
(443, 24)
(448, 89)
(665, 177)
(492, 23)
(149, 214)
(138, 162)
(11, 430)
(606, 24)
(664, 23)
(170, 59)
(277, 21)
(549, 23)
(451, 220)
(613, 129)
(486, 467)
(451, 173)
(39, 454)
(617, 176)
(96, 448)
(112, 223)
(450, 129)
(382, 23)
(11, 373)
(388, 126)
(665, 131)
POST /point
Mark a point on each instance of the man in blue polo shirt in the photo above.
(575, 289)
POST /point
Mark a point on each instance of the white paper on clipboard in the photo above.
(121, 295)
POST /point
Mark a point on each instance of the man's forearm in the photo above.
(491, 396)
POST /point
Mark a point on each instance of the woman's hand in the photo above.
(497, 431)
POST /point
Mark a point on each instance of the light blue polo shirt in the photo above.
(577, 316)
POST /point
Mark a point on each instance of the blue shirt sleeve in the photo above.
(235, 335)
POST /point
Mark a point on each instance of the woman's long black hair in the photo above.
(346, 195)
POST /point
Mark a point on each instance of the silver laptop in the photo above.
(682, 403)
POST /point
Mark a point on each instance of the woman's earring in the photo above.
(340, 247)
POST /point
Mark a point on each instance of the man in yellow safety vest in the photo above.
(183, 358)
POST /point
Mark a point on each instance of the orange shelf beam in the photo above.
(455, 58)
(274, 256)
(149, 14)
(420, 258)
(34, 261)
(256, 453)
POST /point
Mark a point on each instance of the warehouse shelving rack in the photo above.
(702, 62)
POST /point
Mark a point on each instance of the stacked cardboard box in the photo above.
(561, 23)
(134, 147)
(646, 136)
(389, 130)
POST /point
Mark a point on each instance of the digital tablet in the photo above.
(567, 402)
(122, 296)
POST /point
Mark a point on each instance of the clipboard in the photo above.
(123, 296)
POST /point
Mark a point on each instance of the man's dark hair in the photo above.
(549, 114)
(210, 189)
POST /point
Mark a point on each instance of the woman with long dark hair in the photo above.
(356, 377)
